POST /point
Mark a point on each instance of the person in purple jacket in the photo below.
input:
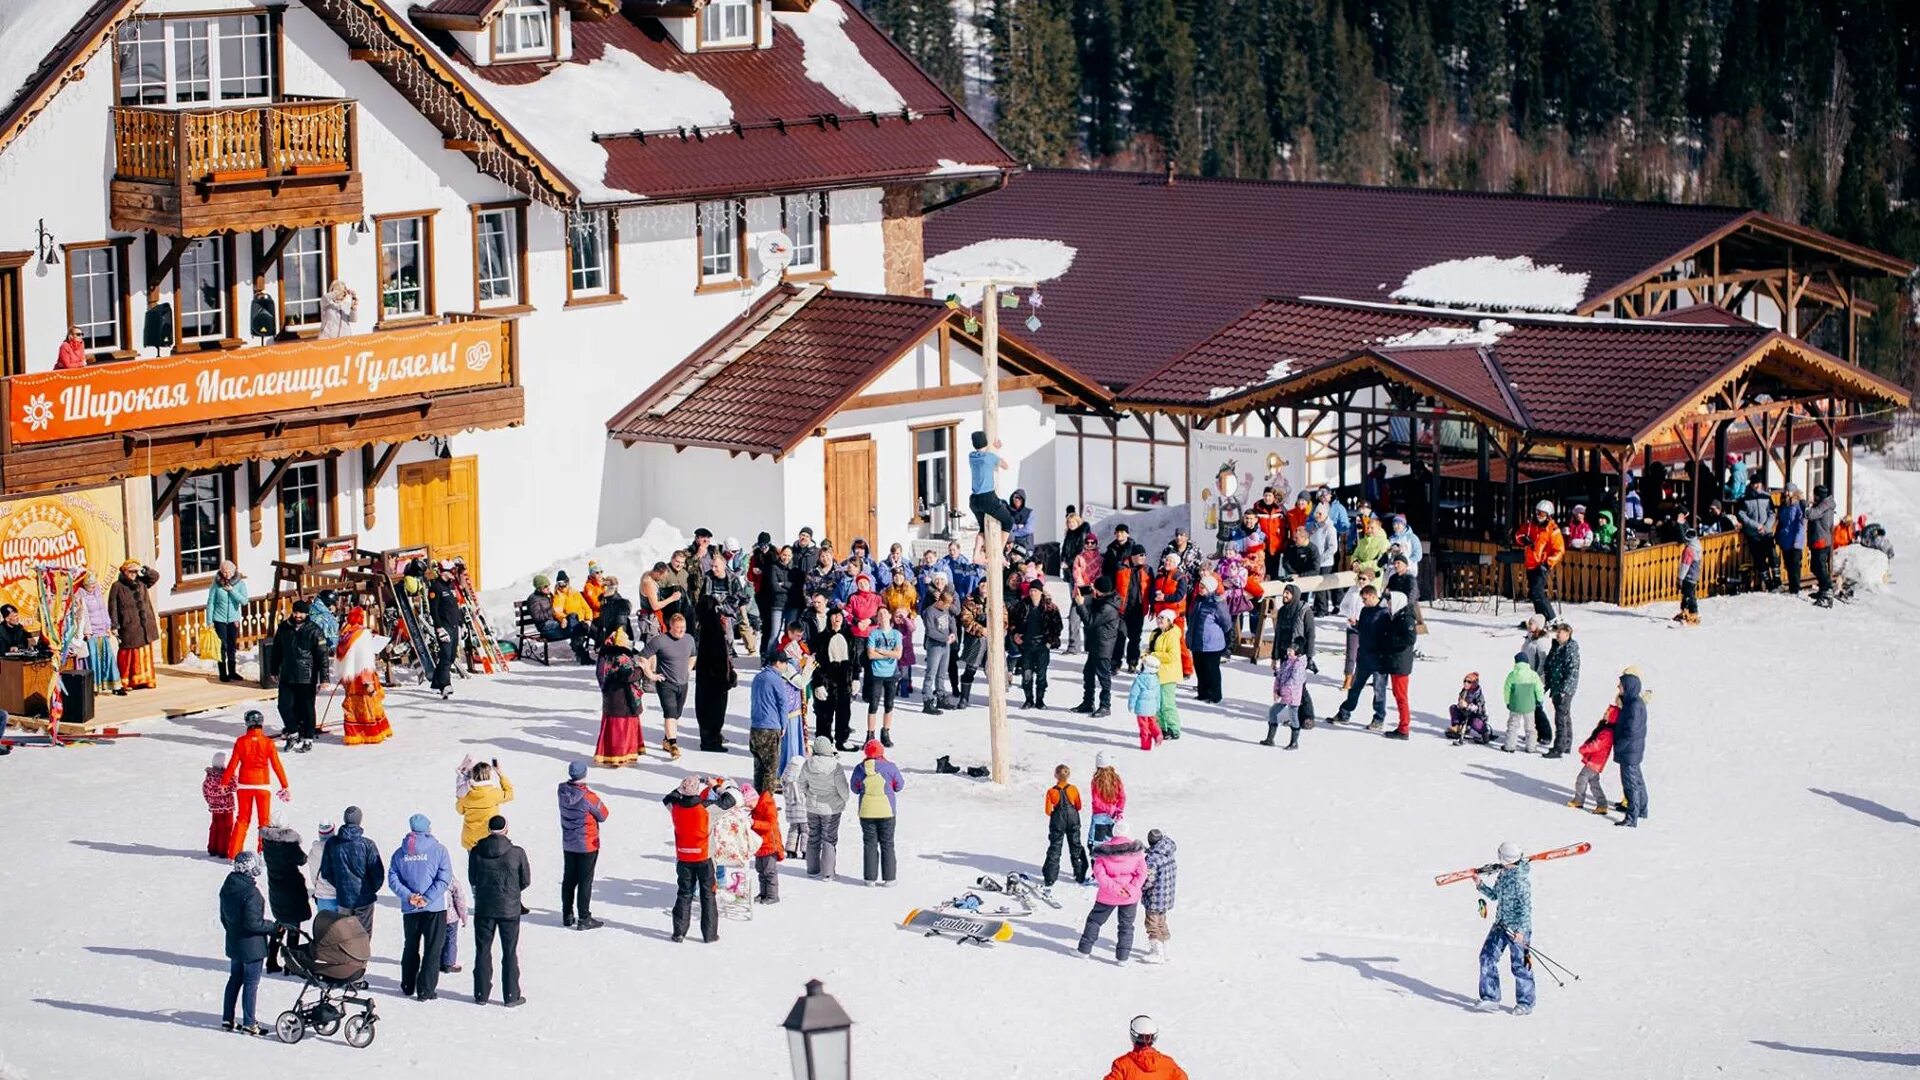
(876, 781)
(419, 875)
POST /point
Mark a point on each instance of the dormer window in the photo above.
(523, 31)
(726, 22)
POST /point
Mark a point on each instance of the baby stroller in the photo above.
(333, 963)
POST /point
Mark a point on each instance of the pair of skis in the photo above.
(1539, 856)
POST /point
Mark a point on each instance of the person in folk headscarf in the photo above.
(365, 705)
(99, 649)
(131, 610)
(622, 678)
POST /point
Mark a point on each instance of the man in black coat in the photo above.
(1368, 666)
(775, 590)
(1102, 617)
(1121, 548)
(497, 870)
(300, 660)
(243, 916)
(446, 619)
(1396, 645)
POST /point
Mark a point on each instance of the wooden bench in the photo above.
(527, 637)
(1257, 645)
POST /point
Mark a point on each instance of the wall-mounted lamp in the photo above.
(360, 227)
(49, 248)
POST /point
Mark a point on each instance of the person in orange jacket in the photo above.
(1144, 1062)
(254, 755)
(1544, 544)
(766, 861)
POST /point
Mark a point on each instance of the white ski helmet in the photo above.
(1509, 853)
(1543, 507)
(1143, 1028)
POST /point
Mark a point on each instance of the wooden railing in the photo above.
(181, 629)
(1646, 575)
(296, 137)
(1653, 573)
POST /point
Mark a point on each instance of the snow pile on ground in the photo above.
(29, 29)
(626, 560)
(835, 62)
(1486, 332)
(1280, 370)
(1866, 569)
(1027, 262)
(1486, 281)
(1151, 529)
(624, 93)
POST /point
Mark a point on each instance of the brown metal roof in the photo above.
(791, 133)
(1161, 267)
(1700, 315)
(770, 378)
(471, 9)
(1240, 358)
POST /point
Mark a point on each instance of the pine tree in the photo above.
(1036, 73)
(926, 30)
(1160, 80)
(1098, 28)
(1485, 78)
(1589, 78)
(1234, 132)
(1526, 42)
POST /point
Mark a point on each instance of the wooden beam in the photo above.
(1008, 384)
(163, 500)
(158, 270)
(269, 256)
(373, 469)
(468, 146)
(257, 494)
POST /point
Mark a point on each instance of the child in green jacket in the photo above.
(1523, 692)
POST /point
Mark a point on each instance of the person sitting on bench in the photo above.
(543, 616)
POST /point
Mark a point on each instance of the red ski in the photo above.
(1557, 853)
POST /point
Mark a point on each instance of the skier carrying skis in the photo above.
(1512, 928)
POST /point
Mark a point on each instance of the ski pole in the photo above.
(1550, 961)
(324, 713)
(1543, 967)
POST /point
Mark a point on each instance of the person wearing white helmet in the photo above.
(1544, 545)
(1512, 929)
(1145, 1061)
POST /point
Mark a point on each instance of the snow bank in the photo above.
(1151, 529)
(1486, 281)
(626, 560)
(1026, 261)
(834, 61)
(29, 29)
(1280, 370)
(626, 94)
(1865, 568)
(1487, 332)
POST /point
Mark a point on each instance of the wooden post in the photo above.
(1833, 436)
(1343, 446)
(1433, 486)
(990, 530)
(1620, 541)
(1719, 462)
(1483, 486)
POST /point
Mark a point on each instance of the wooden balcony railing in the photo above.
(290, 138)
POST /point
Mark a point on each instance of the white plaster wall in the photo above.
(693, 488)
(1086, 463)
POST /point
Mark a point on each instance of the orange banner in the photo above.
(99, 400)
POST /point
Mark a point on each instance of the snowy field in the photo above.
(1760, 925)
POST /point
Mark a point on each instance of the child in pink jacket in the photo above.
(218, 791)
(1120, 870)
(1109, 799)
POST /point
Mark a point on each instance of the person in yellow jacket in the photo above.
(567, 601)
(489, 789)
(1166, 649)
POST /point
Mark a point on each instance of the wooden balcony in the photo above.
(193, 172)
(105, 422)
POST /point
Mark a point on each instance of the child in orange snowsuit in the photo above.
(766, 861)
(219, 795)
(254, 756)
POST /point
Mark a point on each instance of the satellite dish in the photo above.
(775, 250)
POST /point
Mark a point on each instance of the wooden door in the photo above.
(13, 359)
(440, 507)
(850, 492)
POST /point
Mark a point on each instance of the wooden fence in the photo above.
(181, 629)
(247, 142)
(1651, 574)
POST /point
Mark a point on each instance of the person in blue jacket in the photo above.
(1512, 929)
(243, 915)
(774, 698)
(1401, 534)
(1209, 634)
(962, 573)
(351, 864)
(420, 875)
(1022, 532)
(1630, 747)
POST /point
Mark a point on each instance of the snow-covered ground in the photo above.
(1760, 925)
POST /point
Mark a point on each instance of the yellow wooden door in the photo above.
(850, 491)
(440, 507)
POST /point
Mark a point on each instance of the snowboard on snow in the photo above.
(959, 927)
(1539, 856)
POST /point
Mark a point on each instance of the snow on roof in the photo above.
(1487, 281)
(950, 167)
(1488, 332)
(1023, 260)
(1280, 370)
(29, 29)
(617, 91)
(834, 61)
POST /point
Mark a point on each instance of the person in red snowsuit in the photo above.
(253, 756)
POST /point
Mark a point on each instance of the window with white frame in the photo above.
(523, 30)
(200, 281)
(193, 61)
(94, 294)
(200, 519)
(404, 266)
(933, 475)
(719, 229)
(303, 277)
(727, 22)
(496, 262)
(590, 253)
(804, 217)
(303, 500)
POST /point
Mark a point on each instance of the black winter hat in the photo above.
(496, 823)
(351, 816)
(1103, 584)
(979, 440)
(764, 538)
(301, 607)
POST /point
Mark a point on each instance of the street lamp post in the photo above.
(819, 1036)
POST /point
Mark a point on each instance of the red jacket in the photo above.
(1130, 587)
(1145, 1063)
(1173, 588)
(1544, 543)
(1599, 746)
(253, 757)
(1273, 525)
(691, 824)
(861, 605)
(766, 825)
